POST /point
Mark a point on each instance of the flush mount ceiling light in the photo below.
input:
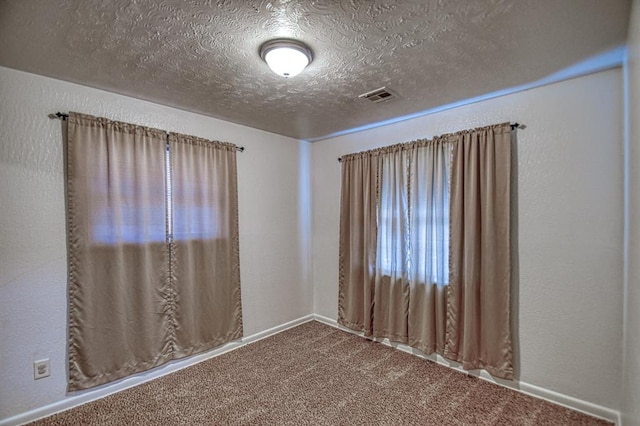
(286, 57)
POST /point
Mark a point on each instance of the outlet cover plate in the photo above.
(41, 369)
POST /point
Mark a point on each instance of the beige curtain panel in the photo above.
(400, 226)
(358, 232)
(128, 293)
(204, 247)
(478, 315)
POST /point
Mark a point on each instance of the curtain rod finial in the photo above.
(58, 115)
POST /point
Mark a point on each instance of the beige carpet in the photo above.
(314, 374)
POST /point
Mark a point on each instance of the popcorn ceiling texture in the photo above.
(202, 56)
(314, 374)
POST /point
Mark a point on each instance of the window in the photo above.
(413, 216)
(125, 223)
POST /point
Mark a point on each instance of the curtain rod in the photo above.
(62, 116)
(514, 126)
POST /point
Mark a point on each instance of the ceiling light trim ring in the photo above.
(285, 44)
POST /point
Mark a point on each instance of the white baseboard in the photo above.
(94, 394)
(277, 329)
(524, 387)
(129, 382)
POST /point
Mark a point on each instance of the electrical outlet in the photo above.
(41, 369)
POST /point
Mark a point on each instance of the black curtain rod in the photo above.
(62, 116)
(513, 127)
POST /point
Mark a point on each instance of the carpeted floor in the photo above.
(314, 374)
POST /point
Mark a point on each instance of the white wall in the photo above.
(570, 184)
(570, 226)
(274, 224)
(631, 372)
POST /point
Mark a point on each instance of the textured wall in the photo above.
(570, 160)
(631, 372)
(274, 224)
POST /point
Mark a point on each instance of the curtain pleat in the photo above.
(357, 242)
(478, 323)
(205, 254)
(116, 228)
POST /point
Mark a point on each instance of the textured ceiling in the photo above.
(202, 55)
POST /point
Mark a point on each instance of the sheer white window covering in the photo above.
(413, 244)
(413, 213)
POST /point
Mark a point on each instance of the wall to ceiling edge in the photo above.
(569, 225)
(273, 212)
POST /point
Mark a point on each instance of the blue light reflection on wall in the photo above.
(604, 61)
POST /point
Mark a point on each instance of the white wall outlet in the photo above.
(41, 368)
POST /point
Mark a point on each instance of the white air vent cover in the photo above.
(379, 95)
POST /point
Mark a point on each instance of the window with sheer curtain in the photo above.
(153, 248)
(424, 254)
(413, 214)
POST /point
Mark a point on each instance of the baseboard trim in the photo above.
(129, 382)
(520, 386)
(92, 395)
(277, 329)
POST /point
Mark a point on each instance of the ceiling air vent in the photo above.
(379, 95)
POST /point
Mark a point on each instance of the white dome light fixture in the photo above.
(286, 57)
